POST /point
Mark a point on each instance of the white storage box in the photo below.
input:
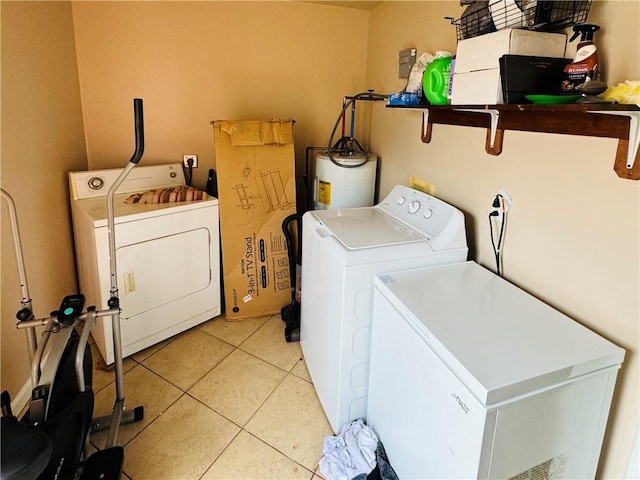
(476, 80)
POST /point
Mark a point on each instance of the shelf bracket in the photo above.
(427, 126)
(493, 145)
(634, 133)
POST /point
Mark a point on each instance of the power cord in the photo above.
(189, 171)
(499, 210)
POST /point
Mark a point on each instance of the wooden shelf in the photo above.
(593, 120)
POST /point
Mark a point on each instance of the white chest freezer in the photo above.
(471, 377)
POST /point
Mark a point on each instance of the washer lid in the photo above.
(366, 227)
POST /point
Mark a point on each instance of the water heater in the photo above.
(349, 184)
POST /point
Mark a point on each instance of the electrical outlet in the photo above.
(500, 204)
(186, 158)
(506, 200)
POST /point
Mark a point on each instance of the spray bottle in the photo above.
(584, 67)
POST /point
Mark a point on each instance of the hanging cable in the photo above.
(499, 211)
(345, 146)
(189, 171)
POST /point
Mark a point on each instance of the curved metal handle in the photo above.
(139, 126)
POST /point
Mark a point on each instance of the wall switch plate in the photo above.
(406, 59)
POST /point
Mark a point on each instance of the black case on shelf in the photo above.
(523, 75)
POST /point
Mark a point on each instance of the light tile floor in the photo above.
(225, 400)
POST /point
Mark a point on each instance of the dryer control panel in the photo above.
(96, 183)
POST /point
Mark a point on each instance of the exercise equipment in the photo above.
(50, 440)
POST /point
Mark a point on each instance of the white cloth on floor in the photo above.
(350, 453)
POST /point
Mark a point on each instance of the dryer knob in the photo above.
(401, 200)
(413, 207)
(428, 213)
(96, 183)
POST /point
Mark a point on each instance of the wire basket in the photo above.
(542, 15)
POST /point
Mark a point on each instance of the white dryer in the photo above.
(342, 250)
(167, 256)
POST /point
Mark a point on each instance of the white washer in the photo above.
(474, 378)
(341, 251)
(167, 256)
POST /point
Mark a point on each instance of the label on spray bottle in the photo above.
(581, 71)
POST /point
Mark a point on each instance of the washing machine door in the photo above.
(358, 228)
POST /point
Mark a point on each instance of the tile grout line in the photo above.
(279, 451)
(286, 373)
(222, 452)
(185, 391)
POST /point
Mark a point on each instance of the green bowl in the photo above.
(553, 99)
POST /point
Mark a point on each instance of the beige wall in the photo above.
(573, 236)
(42, 139)
(194, 62)
(191, 62)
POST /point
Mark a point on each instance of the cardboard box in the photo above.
(477, 88)
(476, 79)
(255, 164)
